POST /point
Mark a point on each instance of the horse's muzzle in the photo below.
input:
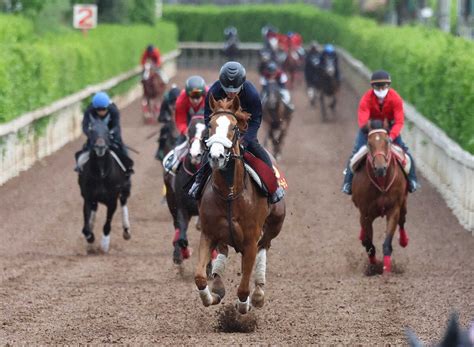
(100, 147)
(218, 162)
(380, 171)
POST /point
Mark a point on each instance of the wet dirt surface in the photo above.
(52, 291)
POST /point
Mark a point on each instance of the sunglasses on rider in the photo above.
(380, 85)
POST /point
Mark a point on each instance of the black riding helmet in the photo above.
(150, 48)
(380, 76)
(173, 95)
(195, 86)
(232, 76)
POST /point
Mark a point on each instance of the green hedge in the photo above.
(432, 70)
(37, 73)
(14, 29)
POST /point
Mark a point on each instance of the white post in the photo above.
(444, 15)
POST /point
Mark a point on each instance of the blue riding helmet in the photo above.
(290, 33)
(100, 100)
(329, 48)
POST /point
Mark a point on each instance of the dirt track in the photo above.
(316, 292)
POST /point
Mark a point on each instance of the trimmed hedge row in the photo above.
(432, 70)
(15, 28)
(37, 73)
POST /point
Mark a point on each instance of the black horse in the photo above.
(103, 180)
(322, 79)
(231, 49)
(182, 207)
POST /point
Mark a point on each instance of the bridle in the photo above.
(370, 163)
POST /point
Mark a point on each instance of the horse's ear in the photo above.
(212, 102)
(235, 104)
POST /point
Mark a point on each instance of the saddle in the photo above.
(402, 158)
(263, 175)
(84, 158)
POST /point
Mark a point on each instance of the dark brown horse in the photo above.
(233, 211)
(276, 117)
(153, 89)
(379, 189)
(292, 66)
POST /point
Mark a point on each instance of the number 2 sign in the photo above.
(85, 16)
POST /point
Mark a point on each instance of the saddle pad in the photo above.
(402, 158)
(84, 158)
(266, 176)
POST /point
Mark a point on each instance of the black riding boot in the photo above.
(200, 178)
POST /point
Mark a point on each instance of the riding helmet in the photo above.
(328, 48)
(100, 100)
(195, 86)
(232, 76)
(272, 67)
(173, 94)
(150, 48)
(380, 76)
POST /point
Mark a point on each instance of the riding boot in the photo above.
(412, 179)
(347, 185)
(200, 179)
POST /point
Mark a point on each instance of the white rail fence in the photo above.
(41, 132)
(442, 161)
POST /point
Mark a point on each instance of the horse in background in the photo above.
(231, 46)
(153, 89)
(276, 117)
(326, 84)
(292, 66)
(233, 211)
(103, 180)
(379, 189)
(181, 206)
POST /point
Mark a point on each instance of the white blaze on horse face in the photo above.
(196, 145)
(217, 150)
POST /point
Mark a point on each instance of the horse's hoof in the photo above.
(105, 243)
(126, 234)
(243, 307)
(218, 287)
(258, 297)
(90, 238)
(387, 264)
(177, 257)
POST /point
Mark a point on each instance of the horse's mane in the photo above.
(241, 116)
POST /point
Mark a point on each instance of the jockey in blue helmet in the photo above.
(103, 109)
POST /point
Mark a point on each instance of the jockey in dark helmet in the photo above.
(104, 110)
(383, 103)
(167, 112)
(232, 83)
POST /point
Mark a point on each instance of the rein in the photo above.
(369, 165)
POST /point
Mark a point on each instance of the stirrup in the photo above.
(347, 189)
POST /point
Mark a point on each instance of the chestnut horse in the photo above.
(153, 89)
(233, 211)
(379, 189)
(292, 66)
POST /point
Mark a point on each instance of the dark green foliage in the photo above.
(34, 74)
(432, 70)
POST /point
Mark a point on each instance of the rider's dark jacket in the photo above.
(112, 119)
(249, 101)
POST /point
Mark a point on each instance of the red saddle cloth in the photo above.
(266, 174)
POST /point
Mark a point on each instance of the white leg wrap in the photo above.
(92, 220)
(125, 220)
(218, 265)
(105, 243)
(243, 307)
(206, 296)
(261, 266)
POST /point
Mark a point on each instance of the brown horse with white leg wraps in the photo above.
(379, 189)
(233, 211)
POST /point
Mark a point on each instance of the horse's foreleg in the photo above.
(180, 241)
(93, 214)
(392, 221)
(218, 270)
(111, 207)
(125, 216)
(87, 230)
(248, 260)
(366, 236)
(200, 277)
(403, 241)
